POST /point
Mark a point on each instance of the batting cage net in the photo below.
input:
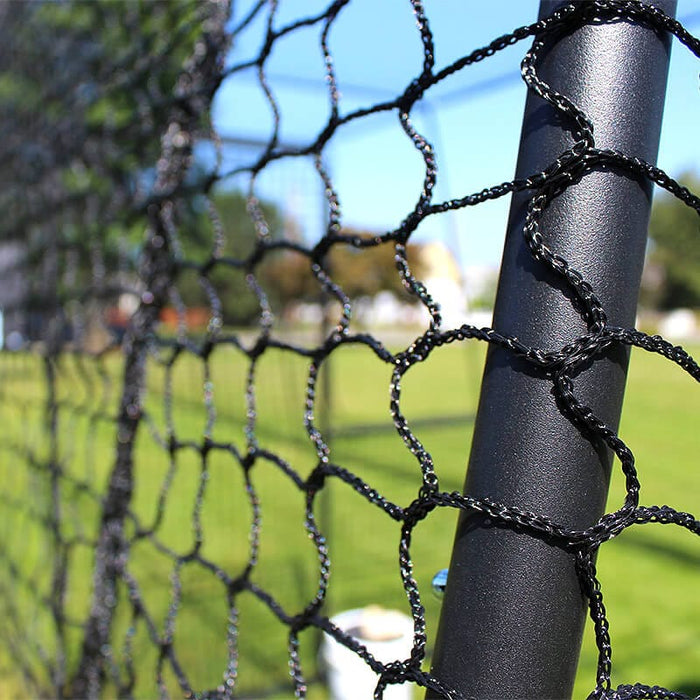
(170, 493)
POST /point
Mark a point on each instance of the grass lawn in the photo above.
(650, 574)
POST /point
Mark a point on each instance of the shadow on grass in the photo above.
(670, 551)
(278, 691)
(688, 687)
(367, 429)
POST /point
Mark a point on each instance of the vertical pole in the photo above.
(513, 612)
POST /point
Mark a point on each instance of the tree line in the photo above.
(673, 264)
(284, 275)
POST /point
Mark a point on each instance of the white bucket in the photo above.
(387, 635)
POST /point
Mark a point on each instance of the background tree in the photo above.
(365, 272)
(284, 275)
(85, 93)
(368, 271)
(673, 266)
(227, 276)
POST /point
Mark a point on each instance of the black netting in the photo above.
(106, 109)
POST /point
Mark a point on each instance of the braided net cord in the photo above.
(89, 651)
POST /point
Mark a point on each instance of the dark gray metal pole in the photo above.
(513, 612)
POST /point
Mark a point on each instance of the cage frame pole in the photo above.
(513, 613)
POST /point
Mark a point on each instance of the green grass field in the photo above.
(650, 574)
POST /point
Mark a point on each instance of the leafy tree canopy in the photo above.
(285, 276)
(86, 89)
(675, 233)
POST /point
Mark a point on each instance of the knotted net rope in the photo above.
(70, 274)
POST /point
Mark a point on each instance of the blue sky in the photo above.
(473, 119)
